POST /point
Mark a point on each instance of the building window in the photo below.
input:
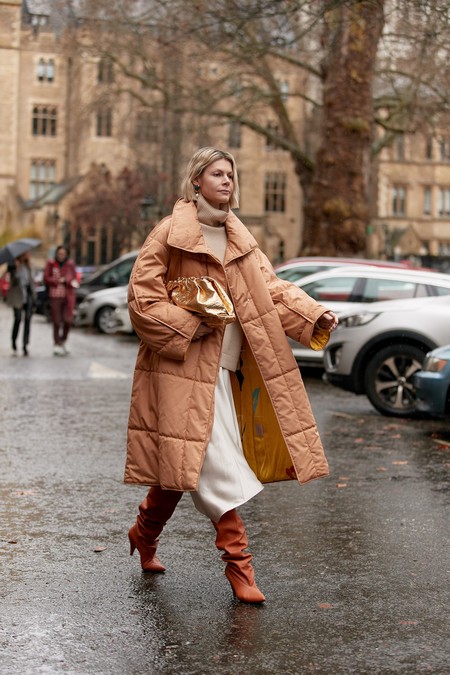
(105, 72)
(275, 192)
(44, 120)
(42, 176)
(400, 147)
(427, 201)
(429, 148)
(444, 149)
(104, 122)
(444, 202)
(234, 134)
(146, 128)
(398, 200)
(284, 90)
(46, 70)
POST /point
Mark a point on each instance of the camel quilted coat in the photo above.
(172, 401)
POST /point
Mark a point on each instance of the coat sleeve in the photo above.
(164, 327)
(49, 279)
(298, 312)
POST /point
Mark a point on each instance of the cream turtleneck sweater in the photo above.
(212, 222)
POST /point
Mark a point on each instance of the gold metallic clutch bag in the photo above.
(203, 296)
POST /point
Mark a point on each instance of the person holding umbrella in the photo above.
(21, 296)
(60, 279)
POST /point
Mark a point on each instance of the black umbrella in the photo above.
(15, 248)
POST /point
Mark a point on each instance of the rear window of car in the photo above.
(440, 290)
(392, 289)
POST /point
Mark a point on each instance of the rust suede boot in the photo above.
(154, 512)
(232, 539)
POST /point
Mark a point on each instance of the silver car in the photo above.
(376, 350)
(98, 309)
(344, 288)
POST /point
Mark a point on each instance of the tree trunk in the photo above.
(337, 205)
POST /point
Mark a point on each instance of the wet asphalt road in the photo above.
(355, 567)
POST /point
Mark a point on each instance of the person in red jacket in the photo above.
(60, 279)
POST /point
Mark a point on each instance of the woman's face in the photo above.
(61, 254)
(216, 182)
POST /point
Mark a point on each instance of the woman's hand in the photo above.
(329, 321)
(201, 331)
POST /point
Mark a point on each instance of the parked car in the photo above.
(116, 273)
(342, 289)
(377, 349)
(124, 324)
(432, 383)
(298, 268)
(98, 309)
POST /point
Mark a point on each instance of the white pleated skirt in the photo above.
(226, 480)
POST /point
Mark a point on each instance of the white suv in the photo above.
(345, 288)
(376, 350)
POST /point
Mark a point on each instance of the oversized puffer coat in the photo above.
(172, 401)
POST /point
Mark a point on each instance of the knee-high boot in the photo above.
(232, 538)
(154, 512)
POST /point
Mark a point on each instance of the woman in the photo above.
(196, 390)
(21, 296)
(60, 279)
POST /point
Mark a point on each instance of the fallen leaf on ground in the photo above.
(400, 462)
(324, 605)
(440, 441)
(99, 549)
(341, 414)
(381, 468)
(341, 485)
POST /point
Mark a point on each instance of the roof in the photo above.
(53, 195)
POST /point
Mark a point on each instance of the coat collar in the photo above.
(186, 233)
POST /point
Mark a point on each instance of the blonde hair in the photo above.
(198, 163)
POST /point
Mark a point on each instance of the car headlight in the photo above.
(433, 364)
(358, 319)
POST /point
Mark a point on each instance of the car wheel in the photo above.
(389, 379)
(105, 320)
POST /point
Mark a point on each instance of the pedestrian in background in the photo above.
(21, 296)
(61, 280)
(217, 411)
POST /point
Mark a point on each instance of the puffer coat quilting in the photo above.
(172, 401)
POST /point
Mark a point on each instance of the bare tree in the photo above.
(117, 203)
(317, 78)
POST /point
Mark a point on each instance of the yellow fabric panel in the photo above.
(264, 447)
(319, 338)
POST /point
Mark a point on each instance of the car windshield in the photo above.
(296, 273)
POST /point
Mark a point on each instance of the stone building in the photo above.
(58, 124)
(413, 198)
